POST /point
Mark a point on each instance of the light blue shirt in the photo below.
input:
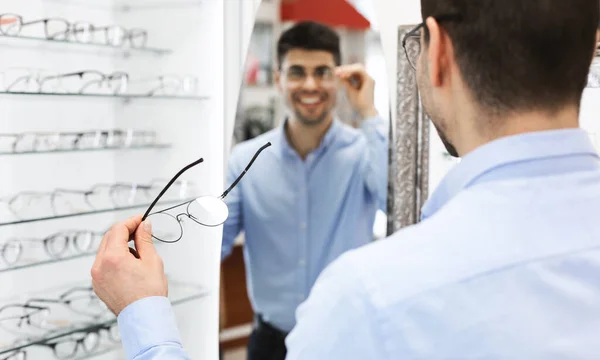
(298, 216)
(504, 265)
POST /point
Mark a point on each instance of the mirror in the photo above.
(315, 86)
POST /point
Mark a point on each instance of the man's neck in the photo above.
(305, 139)
(567, 118)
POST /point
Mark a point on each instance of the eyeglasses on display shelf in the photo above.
(47, 142)
(85, 342)
(61, 30)
(90, 82)
(70, 321)
(206, 210)
(17, 253)
(23, 319)
(85, 82)
(36, 206)
(172, 85)
(78, 301)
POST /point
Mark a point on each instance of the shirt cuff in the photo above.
(147, 323)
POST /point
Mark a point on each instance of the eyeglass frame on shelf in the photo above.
(96, 329)
(129, 135)
(36, 309)
(113, 187)
(71, 238)
(64, 300)
(103, 78)
(71, 28)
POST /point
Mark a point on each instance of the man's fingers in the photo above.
(132, 223)
(143, 240)
(345, 71)
(118, 236)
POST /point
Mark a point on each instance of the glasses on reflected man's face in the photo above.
(206, 210)
(299, 74)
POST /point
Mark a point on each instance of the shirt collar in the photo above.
(505, 151)
(282, 144)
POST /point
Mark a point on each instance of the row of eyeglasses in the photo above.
(77, 140)
(61, 202)
(16, 251)
(81, 32)
(47, 81)
(40, 316)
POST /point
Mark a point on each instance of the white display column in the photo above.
(79, 139)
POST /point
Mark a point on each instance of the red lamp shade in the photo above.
(335, 13)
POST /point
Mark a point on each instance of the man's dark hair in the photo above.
(309, 35)
(521, 55)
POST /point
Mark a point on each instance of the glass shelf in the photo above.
(132, 5)
(47, 261)
(125, 50)
(93, 212)
(124, 97)
(179, 293)
(160, 146)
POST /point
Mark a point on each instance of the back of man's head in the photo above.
(521, 55)
(309, 35)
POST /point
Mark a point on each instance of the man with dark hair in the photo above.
(314, 194)
(505, 263)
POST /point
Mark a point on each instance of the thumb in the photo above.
(143, 239)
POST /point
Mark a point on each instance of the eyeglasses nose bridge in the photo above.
(178, 217)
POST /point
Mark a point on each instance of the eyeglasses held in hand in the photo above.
(206, 210)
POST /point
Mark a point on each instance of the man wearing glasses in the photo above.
(315, 193)
(505, 262)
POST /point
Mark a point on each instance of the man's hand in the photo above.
(360, 88)
(119, 277)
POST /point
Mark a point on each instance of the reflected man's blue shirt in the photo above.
(299, 215)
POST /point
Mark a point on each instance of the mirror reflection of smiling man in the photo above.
(314, 194)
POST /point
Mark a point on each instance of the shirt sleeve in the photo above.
(149, 331)
(337, 321)
(375, 161)
(234, 223)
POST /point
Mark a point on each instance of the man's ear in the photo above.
(438, 53)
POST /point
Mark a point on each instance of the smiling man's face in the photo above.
(308, 85)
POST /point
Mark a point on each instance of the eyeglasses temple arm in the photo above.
(245, 170)
(169, 185)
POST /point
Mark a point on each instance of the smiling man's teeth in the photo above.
(309, 100)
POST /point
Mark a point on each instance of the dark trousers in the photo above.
(266, 342)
